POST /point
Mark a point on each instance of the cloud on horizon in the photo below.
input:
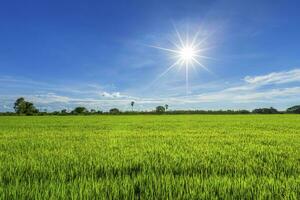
(269, 89)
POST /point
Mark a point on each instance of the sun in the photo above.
(188, 54)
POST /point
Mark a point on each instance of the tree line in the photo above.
(23, 107)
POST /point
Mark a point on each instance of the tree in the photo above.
(166, 106)
(114, 111)
(294, 109)
(80, 110)
(19, 105)
(160, 109)
(132, 104)
(93, 111)
(24, 107)
(64, 111)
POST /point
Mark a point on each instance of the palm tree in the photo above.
(132, 104)
(166, 106)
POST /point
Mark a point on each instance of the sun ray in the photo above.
(186, 78)
(195, 38)
(205, 57)
(201, 65)
(181, 64)
(166, 71)
(175, 44)
(187, 35)
(187, 51)
(165, 49)
(193, 66)
(202, 49)
(178, 35)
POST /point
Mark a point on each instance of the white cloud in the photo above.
(275, 78)
(251, 90)
(248, 92)
(112, 95)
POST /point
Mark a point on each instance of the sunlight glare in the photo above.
(187, 54)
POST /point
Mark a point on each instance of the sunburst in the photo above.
(188, 54)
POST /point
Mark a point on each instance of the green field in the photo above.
(150, 157)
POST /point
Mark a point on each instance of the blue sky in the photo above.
(62, 54)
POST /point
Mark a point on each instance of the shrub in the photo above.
(294, 109)
(114, 111)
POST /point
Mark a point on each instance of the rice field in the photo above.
(150, 157)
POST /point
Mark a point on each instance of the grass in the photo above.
(150, 157)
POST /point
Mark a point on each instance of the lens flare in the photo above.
(188, 54)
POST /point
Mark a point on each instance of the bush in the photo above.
(294, 109)
(114, 111)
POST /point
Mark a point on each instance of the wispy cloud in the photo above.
(251, 91)
(247, 96)
(116, 95)
(275, 78)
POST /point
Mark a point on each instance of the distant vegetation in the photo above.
(23, 107)
(265, 111)
(294, 109)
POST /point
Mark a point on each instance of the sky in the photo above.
(99, 54)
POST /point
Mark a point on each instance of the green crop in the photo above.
(150, 157)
